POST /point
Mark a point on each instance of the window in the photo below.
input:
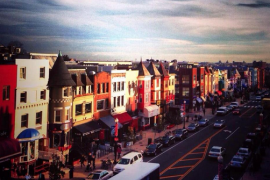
(42, 72)
(70, 91)
(103, 88)
(43, 94)
(107, 87)
(147, 84)
(88, 107)
(78, 109)
(122, 100)
(6, 92)
(118, 86)
(58, 116)
(98, 88)
(152, 83)
(23, 73)
(194, 79)
(106, 103)
(140, 84)
(114, 86)
(140, 100)
(114, 101)
(201, 88)
(118, 101)
(23, 97)
(158, 82)
(100, 104)
(80, 90)
(153, 96)
(24, 120)
(202, 78)
(67, 114)
(65, 92)
(122, 86)
(185, 79)
(88, 89)
(166, 83)
(39, 117)
(185, 91)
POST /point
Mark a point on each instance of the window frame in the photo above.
(55, 115)
(6, 93)
(23, 99)
(24, 121)
(42, 72)
(43, 96)
(78, 113)
(23, 73)
(86, 104)
(185, 79)
(39, 118)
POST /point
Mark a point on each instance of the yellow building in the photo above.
(172, 88)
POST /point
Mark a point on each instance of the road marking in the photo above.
(232, 132)
(245, 112)
(205, 142)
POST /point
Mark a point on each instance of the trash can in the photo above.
(149, 141)
(71, 172)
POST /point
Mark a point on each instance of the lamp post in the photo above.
(116, 130)
(261, 118)
(220, 166)
(184, 116)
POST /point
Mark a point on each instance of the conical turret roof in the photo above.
(142, 70)
(153, 70)
(162, 70)
(59, 75)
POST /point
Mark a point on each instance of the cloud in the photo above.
(257, 4)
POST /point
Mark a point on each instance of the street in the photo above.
(188, 159)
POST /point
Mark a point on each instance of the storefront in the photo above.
(125, 119)
(108, 125)
(148, 113)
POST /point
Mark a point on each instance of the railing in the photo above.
(41, 168)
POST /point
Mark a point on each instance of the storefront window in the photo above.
(56, 140)
(32, 150)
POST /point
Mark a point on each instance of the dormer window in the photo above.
(65, 92)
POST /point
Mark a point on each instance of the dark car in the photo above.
(180, 134)
(193, 127)
(153, 149)
(167, 140)
(248, 143)
(236, 111)
(260, 109)
(203, 122)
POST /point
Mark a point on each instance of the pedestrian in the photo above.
(203, 111)
(89, 158)
(82, 161)
(119, 151)
(94, 162)
(41, 176)
(27, 177)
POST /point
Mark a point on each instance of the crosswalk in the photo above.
(250, 106)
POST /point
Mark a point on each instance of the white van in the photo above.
(127, 161)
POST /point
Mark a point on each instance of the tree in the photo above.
(55, 171)
(17, 44)
(66, 58)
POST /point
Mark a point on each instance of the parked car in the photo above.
(248, 143)
(238, 161)
(193, 127)
(126, 161)
(203, 122)
(230, 107)
(99, 174)
(242, 151)
(252, 136)
(180, 134)
(167, 140)
(170, 126)
(222, 111)
(215, 151)
(260, 109)
(153, 149)
(235, 104)
(236, 111)
(258, 98)
(219, 123)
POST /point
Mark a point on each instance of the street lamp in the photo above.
(116, 130)
(220, 166)
(184, 116)
(261, 118)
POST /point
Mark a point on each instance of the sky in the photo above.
(186, 30)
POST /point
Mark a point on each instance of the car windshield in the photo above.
(151, 146)
(221, 109)
(218, 121)
(236, 110)
(123, 161)
(202, 120)
(165, 137)
(215, 150)
(192, 125)
(93, 176)
(236, 159)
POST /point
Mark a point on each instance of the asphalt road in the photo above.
(188, 159)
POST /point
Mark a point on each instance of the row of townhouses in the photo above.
(48, 105)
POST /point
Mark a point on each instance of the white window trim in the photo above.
(54, 112)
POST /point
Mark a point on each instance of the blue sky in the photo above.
(186, 30)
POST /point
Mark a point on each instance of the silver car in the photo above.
(216, 151)
(219, 123)
(238, 161)
(99, 174)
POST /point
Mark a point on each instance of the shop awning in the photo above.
(124, 118)
(27, 135)
(199, 100)
(110, 122)
(151, 111)
(86, 128)
(10, 148)
(203, 98)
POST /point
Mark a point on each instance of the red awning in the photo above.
(124, 118)
(10, 148)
